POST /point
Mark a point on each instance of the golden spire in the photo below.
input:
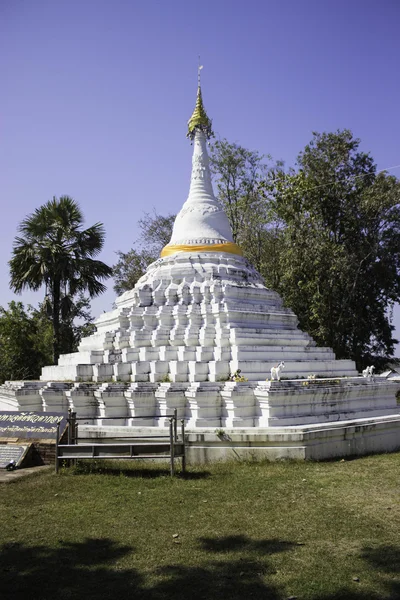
(199, 118)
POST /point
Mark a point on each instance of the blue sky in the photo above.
(95, 96)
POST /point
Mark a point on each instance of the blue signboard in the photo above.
(34, 425)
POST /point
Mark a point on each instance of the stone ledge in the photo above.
(317, 442)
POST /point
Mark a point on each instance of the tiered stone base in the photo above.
(197, 317)
(206, 404)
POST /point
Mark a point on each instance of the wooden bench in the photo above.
(170, 446)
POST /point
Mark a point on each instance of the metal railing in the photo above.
(138, 447)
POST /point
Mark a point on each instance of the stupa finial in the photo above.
(199, 119)
(201, 225)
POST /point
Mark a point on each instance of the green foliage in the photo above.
(130, 268)
(166, 378)
(339, 257)
(25, 342)
(238, 175)
(156, 231)
(53, 250)
(76, 323)
(26, 337)
(237, 377)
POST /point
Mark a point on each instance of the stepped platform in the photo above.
(199, 323)
(310, 442)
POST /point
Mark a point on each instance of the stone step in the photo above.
(88, 357)
(258, 370)
(279, 353)
(67, 373)
(328, 417)
(277, 319)
(257, 336)
(206, 353)
(255, 307)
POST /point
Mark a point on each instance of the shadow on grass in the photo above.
(72, 570)
(138, 471)
(90, 570)
(384, 560)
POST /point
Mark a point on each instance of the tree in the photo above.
(26, 337)
(71, 332)
(53, 250)
(240, 175)
(129, 269)
(340, 252)
(156, 231)
(23, 347)
(237, 174)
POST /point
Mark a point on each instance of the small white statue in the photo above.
(369, 372)
(276, 371)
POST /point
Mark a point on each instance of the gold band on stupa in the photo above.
(229, 247)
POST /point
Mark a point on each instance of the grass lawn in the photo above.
(319, 531)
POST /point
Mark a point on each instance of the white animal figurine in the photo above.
(276, 371)
(369, 372)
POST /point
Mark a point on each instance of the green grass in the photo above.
(245, 530)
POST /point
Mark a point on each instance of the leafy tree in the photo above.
(53, 250)
(23, 347)
(26, 337)
(71, 332)
(238, 176)
(339, 258)
(155, 233)
(240, 181)
(130, 268)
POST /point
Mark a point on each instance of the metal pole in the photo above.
(175, 423)
(69, 425)
(58, 435)
(74, 462)
(74, 426)
(171, 442)
(183, 445)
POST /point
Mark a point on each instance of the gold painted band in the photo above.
(230, 247)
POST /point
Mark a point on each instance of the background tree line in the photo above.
(325, 235)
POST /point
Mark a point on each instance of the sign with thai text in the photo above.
(10, 453)
(31, 424)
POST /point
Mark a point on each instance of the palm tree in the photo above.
(53, 250)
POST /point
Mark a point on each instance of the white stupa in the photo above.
(200, 313)
(202, 224)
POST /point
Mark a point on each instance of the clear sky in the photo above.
(95, 96)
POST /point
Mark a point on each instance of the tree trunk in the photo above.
(56, 321)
